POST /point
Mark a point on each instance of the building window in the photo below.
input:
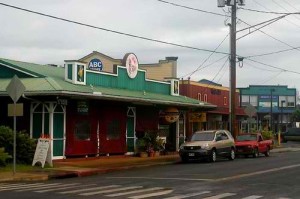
(225, 101)
(290, 101)
(199, 96)
(114, 130)
(205, 98)
(245, 100)
(83, 130)
(253, 100)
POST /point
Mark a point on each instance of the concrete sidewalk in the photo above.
(78, 167)
(91, 166)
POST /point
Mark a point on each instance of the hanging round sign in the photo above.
(131, 63)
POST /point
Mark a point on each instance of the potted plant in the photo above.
(141, 147)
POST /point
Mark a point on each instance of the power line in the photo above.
(257, 29)
(206, 66)
(270, 10)
(272, 77)
(190, 8)
(186, 7)
(112, 31)
(265, 12)
(259, 68)
(283, 8)
(285, 70)
(193, 72)
(271, 53)
(273, 37)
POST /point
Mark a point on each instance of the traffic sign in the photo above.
(15, 89)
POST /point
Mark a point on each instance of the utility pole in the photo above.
(232, 115)
(233, 69)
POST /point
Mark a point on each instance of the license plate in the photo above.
(191, 154)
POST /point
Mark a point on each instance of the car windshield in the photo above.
(203, 136)
(246, 137)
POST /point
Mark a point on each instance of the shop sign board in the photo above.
(82, 107)
(131, 63)
(42, 153)
(95, 64)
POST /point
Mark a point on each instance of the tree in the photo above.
(295, 117)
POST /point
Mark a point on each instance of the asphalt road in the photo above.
(274, 177)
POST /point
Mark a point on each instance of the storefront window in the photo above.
(83, 131)
(114, 130)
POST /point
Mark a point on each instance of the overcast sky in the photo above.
(33, 38)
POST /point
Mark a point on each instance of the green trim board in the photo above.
(50, 81)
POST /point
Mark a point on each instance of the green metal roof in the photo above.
(50, 81)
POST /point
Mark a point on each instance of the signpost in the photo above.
(15, 90)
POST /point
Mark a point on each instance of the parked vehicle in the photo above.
(292, 134)
(208, 144)
(252, 144)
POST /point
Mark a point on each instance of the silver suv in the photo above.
(208, 144)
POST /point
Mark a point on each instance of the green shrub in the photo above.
(3, 157)
(267, 135)
(25, 147)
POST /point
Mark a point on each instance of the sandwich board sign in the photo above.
(42, 153)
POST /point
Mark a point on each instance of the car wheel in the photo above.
(232, 155)
(213, 156)
(255, 154)
(267, 153)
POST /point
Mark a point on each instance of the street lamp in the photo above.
(282, 101)
(271, 109)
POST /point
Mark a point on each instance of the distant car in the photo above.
(292, 134)
(252, 144)
(208, 144)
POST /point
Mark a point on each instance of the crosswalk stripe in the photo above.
(152, 194)
(39, 187)
(18, 185)
(188, 195)
(223, 195)
(89, 189)
(252, 197)
(133, 192)
(21, 187)
(110, 190)
(61, 187)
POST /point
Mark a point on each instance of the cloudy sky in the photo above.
(33, 38)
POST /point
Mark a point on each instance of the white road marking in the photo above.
(89, 189)
(110, 190)
(19, 185)
(160, 193)
(211, 179)
(133, 192)
(252, 197)
(259, 172)
(223, 195)
(188, 195)
(22, 187)
(160, 178)
(39, 187)
(61, 187)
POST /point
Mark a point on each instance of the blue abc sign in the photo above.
(95, 64)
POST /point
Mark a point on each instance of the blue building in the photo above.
(274, 105)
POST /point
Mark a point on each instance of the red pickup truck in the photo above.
(252, 144)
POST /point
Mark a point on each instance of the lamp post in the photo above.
(282, 101)
(271, 110)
